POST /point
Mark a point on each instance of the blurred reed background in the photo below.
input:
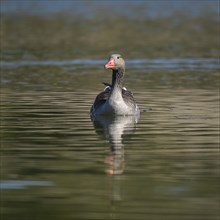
(91, 29)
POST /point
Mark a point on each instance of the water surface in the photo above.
(59, 164)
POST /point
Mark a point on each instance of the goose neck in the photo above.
(117, 78)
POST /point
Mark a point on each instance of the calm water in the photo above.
(58, 164)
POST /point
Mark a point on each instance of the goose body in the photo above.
(115, 99)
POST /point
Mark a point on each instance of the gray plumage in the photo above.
(115, 99)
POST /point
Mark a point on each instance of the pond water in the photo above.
(58, 164)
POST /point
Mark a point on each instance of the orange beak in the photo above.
(110, 64)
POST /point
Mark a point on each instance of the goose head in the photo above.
(115, 62)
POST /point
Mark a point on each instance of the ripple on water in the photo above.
(160, 166)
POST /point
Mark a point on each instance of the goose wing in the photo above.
(128, 97)
(101, 98)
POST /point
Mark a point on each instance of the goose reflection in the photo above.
(116, 130)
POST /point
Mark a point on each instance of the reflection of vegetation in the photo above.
(71, 79)
(171, 163)
(60, 36)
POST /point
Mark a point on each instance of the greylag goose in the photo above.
(115, 99)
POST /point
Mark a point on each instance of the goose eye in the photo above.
(118, 57)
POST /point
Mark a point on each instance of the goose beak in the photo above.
(110, 64)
